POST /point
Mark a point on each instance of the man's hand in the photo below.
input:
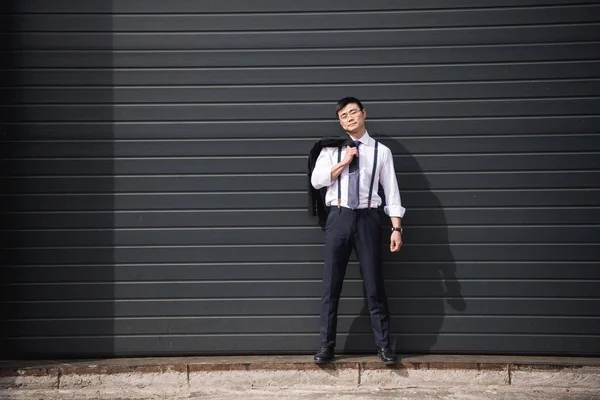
(337, 169)
(395, 242)
(351, 152)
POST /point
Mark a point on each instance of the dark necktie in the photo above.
(353, 182)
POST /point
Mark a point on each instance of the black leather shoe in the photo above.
(387, 356)
(324, 356)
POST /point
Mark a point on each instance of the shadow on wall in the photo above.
(421, 279)
(58, 195)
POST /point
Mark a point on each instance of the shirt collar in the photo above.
(367, 140)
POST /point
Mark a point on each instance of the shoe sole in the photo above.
(323, 361)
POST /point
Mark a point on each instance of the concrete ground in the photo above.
(432, 393)
(427, 377)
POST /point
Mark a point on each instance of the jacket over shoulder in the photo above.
(316, 198)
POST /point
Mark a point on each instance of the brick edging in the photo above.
(103, 368)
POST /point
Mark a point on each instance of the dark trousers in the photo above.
(360, 230)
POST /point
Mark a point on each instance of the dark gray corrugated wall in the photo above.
(154, 173)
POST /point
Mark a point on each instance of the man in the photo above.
(352, 176)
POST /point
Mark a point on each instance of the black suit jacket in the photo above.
(316, 198)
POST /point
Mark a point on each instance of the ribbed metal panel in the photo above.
(154, 178)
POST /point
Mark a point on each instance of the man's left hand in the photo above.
(395, 242)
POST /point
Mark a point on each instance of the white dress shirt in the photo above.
(385, 174)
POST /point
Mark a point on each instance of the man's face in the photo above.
(352, 118)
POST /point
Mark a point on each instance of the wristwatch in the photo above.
(397, 229)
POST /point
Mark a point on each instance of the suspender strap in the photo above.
(373, 175)
(339, 181)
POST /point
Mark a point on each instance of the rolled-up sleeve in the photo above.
(393, 207)
(321, 175)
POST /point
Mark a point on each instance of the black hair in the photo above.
(344, 102)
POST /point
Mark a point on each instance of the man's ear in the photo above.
(365, 113)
